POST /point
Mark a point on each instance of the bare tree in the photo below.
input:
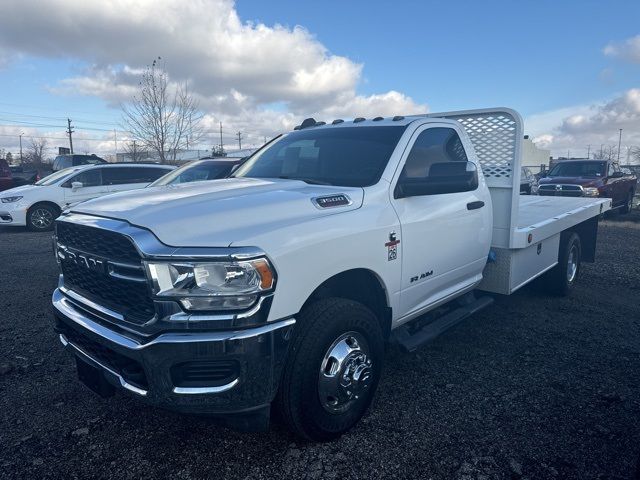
(164, 119)
(607, 152)
(132, 149)
(634, 155)
(35, 151)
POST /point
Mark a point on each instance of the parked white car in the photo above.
(37, 206)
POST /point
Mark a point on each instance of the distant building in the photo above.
(532, 156)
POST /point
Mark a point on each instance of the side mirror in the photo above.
(617, 175)
(76, 185)
(446, 177)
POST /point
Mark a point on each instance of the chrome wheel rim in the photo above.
(345, 373)
(41, 218)
(572, 264)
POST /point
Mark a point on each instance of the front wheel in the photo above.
(40, 218)
(332, 369)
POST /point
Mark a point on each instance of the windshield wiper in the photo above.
(310, 181)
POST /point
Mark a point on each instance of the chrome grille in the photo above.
(560, 190)
(104, 267)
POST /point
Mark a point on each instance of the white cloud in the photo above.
(598, 124)
(628, 50)
(237, 69)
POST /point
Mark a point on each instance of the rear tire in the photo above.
(561, 278)
(41, 217)
(332, 369)
(626, 208)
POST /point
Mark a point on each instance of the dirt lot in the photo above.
(532, 387)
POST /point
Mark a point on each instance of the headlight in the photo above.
(10, 199)
(591, 192)
(212, 285)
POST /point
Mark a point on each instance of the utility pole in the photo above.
(21, 134)
(619, 144)
(69, 132)
(115, 143)
(589, 151)
(135, 155)
(239, 135)
(221, 144)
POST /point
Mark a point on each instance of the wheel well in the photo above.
(359, 285)
(55, 206)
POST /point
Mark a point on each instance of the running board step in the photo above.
(410, 341)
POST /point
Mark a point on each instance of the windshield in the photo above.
(55, 177)
(195, 172)
(578, 169)
(344, 156)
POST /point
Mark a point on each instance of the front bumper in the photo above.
(12, 216)
(146, 367)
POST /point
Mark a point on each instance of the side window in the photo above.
(434, 146)
(90, 178)
(437, 163)
(610, 170)
(148, 175)
(129, 175)
(119, 176)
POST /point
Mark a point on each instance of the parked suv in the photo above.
(65, 161)
(590, 178)
(38, 205)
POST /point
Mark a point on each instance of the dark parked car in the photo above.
(24, 175)
(72, 160)
(528, 182)
(590, 178)
(199, 170)
(6, 178)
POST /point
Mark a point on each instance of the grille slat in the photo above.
(131, 299)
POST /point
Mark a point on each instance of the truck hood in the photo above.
(220, 212)
(583, 181)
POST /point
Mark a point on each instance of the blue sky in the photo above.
(546, 59)
(537, 56)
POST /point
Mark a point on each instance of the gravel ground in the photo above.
(532, 387)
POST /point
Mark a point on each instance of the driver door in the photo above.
(92, 187)
(445, 236)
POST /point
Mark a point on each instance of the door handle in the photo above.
(475, 205)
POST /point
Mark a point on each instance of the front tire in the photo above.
(561, 278)
(332, 369)
(41, 218)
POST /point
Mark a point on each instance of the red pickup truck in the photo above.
(590, 178)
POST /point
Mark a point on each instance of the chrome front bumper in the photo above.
(259, 353)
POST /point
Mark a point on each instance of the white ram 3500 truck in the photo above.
(282, 284)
